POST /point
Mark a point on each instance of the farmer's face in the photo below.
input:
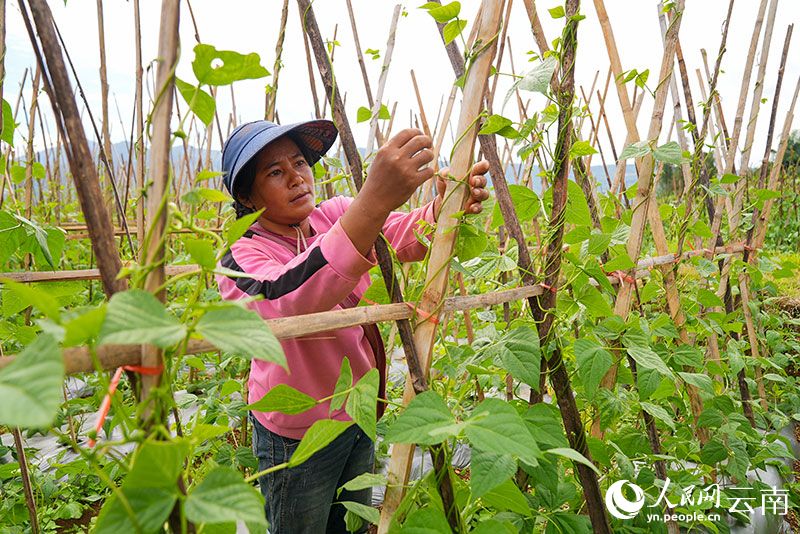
(284, 183)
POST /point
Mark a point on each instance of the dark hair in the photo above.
(243, 187)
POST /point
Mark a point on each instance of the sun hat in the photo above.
(314, 138)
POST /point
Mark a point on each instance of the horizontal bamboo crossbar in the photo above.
(118, 232)
(79, 360)
(82, 274)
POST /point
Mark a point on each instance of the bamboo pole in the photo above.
(387, 59)
(81, 164)
(444, 239)
(158, 183)
(312, 83)
(28, 197)
(272, 96)
(641, 211)
(140, 151)
(106, 148)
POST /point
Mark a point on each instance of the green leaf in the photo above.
(729, 179)
(471, 242)
(557, 12)
(344, 382)
(698, 380)
(593, 361)
(426, 521)
(38, 170)
(526, 202)
(363, 114)
(573, 455)
(494, 124)
(596, 304)
(158, 464)
(317, 437)
(519, 353)
(635, 150)
(12, 234)
(239, 227)
(496, 426)
(223, 496)
(701, 229)
(686, 354)
(17, 174)
(708, 298)
(507, 496)
(201, 103)
(230, 386)
(648, 359)
(7, 134)
(206, 174)
(713, 452)
(363, 511)
(30, 386)
(659, 413)
(17, 297)
(488, 470)
(453, 29)
(214, 195)
(84, 328)
(669, 153)
(711, 417)
(202, 252)
(580, 149)
(150, 506)
(622, 262)
(536, 80)
(767, 194)
(577, 208)
(135, 317)
(384, 114)
(598, 242)
(284, 399)
(426, 420)
(242, 332)
(364, 481)
(446, 12)
(362, 403)
(234, 66)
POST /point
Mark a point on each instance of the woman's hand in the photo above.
(398, 169)
(477, 188)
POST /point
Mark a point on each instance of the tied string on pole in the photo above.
(112, 387)
(417, 312)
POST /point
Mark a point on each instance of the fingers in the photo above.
(421, 158)
(402, 137)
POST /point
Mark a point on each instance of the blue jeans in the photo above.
(298, 499)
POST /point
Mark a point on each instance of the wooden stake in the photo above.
(81, 164)
(159, 179)
(387, 58)
(444, 240)
(272, 96)
(104, 87)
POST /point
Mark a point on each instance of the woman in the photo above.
(302, 258)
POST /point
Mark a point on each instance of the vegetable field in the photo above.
(612, 345)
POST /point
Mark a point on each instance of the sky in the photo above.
(253, 26)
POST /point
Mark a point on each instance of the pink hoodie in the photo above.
(320, 278)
